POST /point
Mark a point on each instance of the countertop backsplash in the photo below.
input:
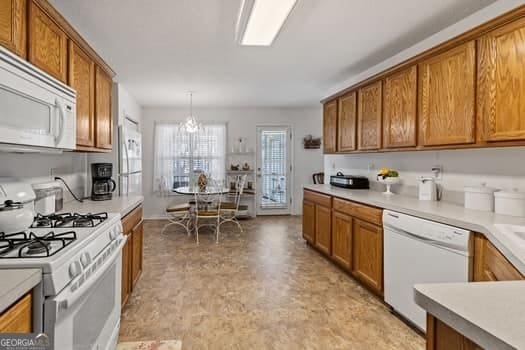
(501, 168)
(40, 168)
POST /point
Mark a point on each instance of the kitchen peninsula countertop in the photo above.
(15, 283)
(117, 204)
(492, 314)
(443, 212)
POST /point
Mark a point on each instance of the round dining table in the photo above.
(188, 190)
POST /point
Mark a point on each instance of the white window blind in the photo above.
(274, 168)
(180, 156)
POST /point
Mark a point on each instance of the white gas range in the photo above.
(81, 269)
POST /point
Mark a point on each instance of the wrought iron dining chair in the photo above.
(179, 215)
(207, 209)
(230, 210)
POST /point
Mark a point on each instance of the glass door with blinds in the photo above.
(274, 170)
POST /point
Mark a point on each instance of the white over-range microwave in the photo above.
(36, 109)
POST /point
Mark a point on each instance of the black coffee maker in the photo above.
(103, 185)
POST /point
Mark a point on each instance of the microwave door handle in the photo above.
(61, 122)
(72, 297)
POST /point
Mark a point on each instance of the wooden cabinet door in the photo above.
(103, 119)
(501, 83)
(19, 317)
(490, 264)
(400, 109)
(136, 265)
(447, 85)
(342, 239)
(330, 127)
(346, 122)
(369, 112)
(82, 79)
(441, 337)
(367, 254)
(126, 271)
(47, 43)
(13, 26)
(323, 228)
(309, 221)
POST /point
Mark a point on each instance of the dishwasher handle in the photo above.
(456, 248)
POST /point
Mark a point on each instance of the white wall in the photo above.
(241, 123)
(502, 168)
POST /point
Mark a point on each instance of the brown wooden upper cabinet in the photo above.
(47, 43)
(447, 97)
(330, 127)
(103, 119)
(346, 122)
(501, 83)
(400, 109)
(13, 26)
(369, 111)
(82, 79)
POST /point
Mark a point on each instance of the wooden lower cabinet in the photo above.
(490, 264)
(349, 233)
(342, 239)
(309, 221)
(368, 254)
(137, 258)
(442, 337)
(323, 229)
(19, 317)
(132, 253)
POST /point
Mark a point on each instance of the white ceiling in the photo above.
(160, 49)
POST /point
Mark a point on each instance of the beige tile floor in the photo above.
(263, 289)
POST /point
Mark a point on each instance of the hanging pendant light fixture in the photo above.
(190, 124)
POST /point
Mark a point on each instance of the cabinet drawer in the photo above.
(318, 198)
(131, 220)
(18, 318)
(360, 211)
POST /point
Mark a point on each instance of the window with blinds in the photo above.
(182, 156)
(273, 168)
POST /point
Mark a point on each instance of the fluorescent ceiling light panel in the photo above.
(261, 20)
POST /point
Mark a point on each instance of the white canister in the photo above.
(45, 198)
(479, 197)
(510, 203)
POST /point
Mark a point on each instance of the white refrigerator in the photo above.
(130, 160)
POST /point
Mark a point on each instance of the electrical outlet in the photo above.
(437, 172)
(333, 165)
(371, 167)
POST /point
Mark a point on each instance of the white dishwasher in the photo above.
(420, 251)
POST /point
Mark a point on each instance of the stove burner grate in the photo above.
(33, 246)
(69, 220)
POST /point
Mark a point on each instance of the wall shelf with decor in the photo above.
(236, 160)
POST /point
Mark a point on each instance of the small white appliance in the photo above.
(479, 197)
(37, 109)
(427, 189)
(78, 304)
(130, 162)
(420, 251)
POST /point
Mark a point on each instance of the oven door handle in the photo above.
(72, 297)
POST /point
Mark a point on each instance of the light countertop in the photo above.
(122, 205)
(492, 314)
(15, 283)
(443, 212)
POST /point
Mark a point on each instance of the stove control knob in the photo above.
(75, 269)
(85, 259)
